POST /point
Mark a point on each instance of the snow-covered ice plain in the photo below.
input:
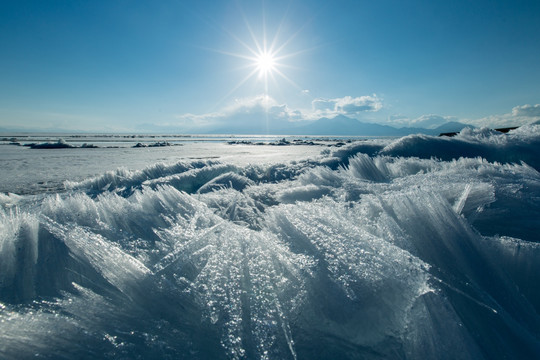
(413, 248)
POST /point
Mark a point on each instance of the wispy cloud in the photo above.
(526, 111)
(428, 121)
(242, 109)
(266, 106)
(520, 115)
(348, 106)
(263, 107)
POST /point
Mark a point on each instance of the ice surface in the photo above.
(413, 248)
(31, 171)
(522, 144)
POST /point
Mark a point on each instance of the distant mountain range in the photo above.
(337, 126)
(342, 125)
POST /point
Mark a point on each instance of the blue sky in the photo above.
(148, 66)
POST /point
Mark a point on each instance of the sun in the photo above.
(265, 63)
(267, 58)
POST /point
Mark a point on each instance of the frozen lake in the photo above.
(413, 248)
(27, 170)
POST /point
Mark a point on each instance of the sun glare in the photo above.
(264, 56)
(265, 63)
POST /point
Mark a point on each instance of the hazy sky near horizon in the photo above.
(149, 65)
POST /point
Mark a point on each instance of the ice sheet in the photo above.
(357, 252)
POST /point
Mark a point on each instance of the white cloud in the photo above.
(241, 110)
(431, 121)
(323, 105)
(348, 106)
(251, 104)
(244, 109)
(398, 119)
(520, 115)
(249, 109)
(351, 105)
(428, 121)
(526, 111)
(260, 104)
